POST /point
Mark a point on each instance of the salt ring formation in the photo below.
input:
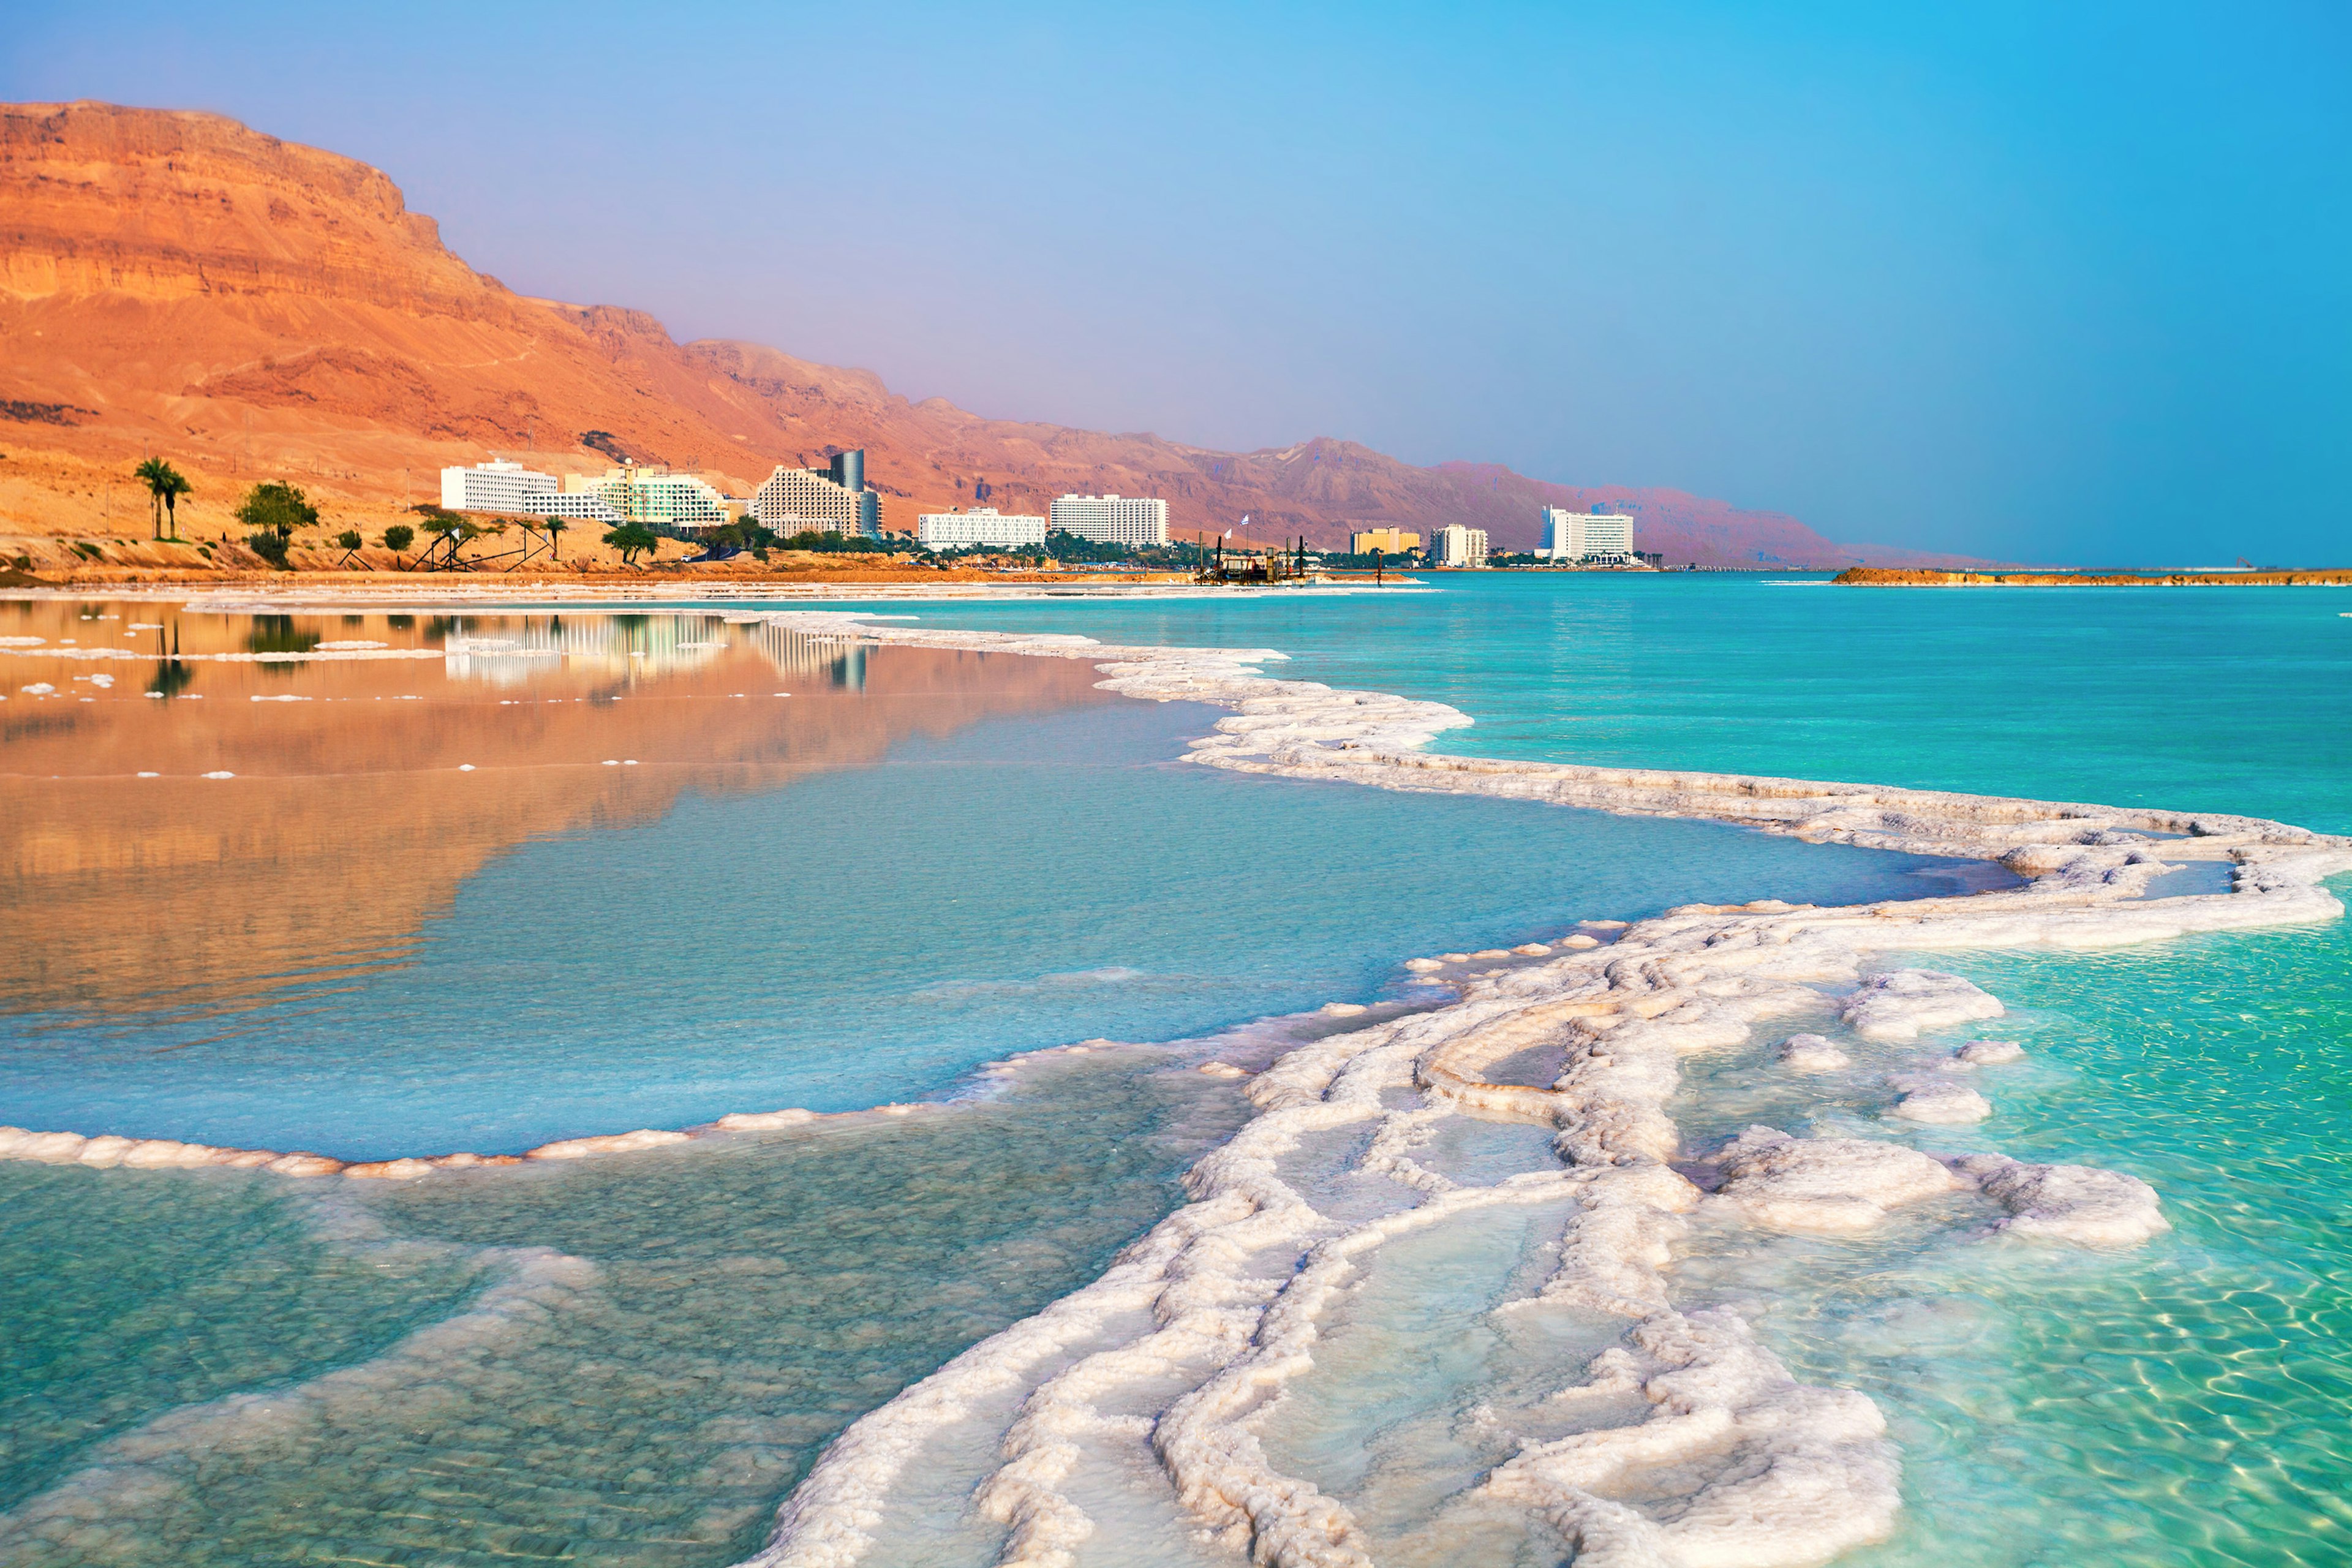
(1142, 1400)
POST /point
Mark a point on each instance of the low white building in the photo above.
(498, 486)
(1135, 521)
(627, 494)
(652, 495)
(1460, 546)
(982, 525)
(1598, 538)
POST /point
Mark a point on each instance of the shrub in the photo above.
(281, 507)
(349, 539)
(271, 547)
(632, 540)
(399, 537)
(87, 550)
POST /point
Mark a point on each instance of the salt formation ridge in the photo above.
(1185, 1348)
(1226, 1300)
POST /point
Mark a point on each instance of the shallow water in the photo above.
(734, 1305)
(2177, 1403)
(848, 897)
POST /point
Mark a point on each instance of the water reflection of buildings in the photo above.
(813, 655)
(508, 651)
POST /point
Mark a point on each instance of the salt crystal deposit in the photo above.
(1936, 1098)
(1811, 1053)
(1695, 1445)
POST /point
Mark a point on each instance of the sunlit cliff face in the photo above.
(365, 783)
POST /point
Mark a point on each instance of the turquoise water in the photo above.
(1034, 882)
(2217, 698)
(2177, 1404)
(734, 1305)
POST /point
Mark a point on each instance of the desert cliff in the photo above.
(176, 283)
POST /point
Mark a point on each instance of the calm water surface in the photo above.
(907, 867)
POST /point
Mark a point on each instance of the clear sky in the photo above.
(2062, 281)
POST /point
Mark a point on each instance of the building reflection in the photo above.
(271, 825)
(505, 652)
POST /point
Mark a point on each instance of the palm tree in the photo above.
(151, 472)
(555, 527)
(175, 485)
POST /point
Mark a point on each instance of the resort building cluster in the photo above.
(836, 498)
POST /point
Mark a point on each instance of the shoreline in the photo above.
(1182, 1302)
(1304, 729)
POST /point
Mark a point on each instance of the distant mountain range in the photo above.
(176, 282)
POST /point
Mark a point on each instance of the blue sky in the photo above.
(2054, 282)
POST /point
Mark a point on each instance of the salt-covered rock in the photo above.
(1901, 1002)
(105, 1149)
(167, 1153)
(1223, 1070)
(1830, 1185)
(1937, 1099)
(1763, 1471)
(303, 1164)
(1811, 1053)
(764, 1121)
(1580, 941)
(2081, 1203)
(390, 1170)
(1988, 1053)
(607, 1143)
(49, 1148)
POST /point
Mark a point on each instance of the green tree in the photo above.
(274, 510)
(555, 527)
(150, 472)
(349, 539)
(632, 540)
(399, 537)
(175, 485)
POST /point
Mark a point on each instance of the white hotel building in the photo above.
(1131, 521)
(982, 525)
(1602, 538)
(619, 495)
(497, 486)
(1458, 546)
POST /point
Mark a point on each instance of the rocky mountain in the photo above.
(176, 282)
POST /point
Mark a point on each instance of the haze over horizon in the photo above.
(2014, 284)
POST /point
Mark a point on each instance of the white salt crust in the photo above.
(1937, 1099)
(1222, 1302)
(1811, 1053)
(1771, 1472)
(1900, 1003)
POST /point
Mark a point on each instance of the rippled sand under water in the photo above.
(679, 1332)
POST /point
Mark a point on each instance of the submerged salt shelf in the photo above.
(1540, 1198)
